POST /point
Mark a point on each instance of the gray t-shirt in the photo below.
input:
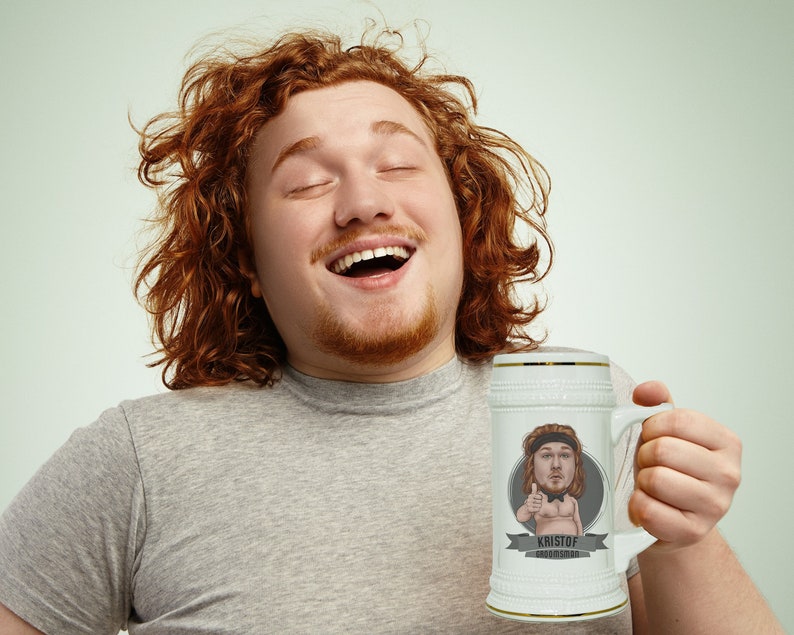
(311, 506)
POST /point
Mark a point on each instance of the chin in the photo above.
(384, 340)
(556, 487)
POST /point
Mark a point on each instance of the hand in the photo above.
(534, 500)
(687, 469)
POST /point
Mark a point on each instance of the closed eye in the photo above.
(399, 170)
(303, 189)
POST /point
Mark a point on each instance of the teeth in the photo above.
(344, 263)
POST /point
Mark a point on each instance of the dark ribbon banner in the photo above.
(557, 546)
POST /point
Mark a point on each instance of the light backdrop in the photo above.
(666, 127)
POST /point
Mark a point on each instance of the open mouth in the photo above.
(371, 262)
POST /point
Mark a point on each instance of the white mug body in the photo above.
(553, 487)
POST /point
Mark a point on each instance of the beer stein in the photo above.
(555, 423)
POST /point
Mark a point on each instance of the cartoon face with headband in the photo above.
(554, 479)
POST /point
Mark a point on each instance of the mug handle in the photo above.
(629, 543)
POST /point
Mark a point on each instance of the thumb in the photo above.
(534, 488)
(652, 393)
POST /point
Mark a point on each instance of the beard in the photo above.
(557, 486)
(390, 340)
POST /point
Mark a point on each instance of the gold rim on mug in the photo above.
(506, 364)
(541, 616)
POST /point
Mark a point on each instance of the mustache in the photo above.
(398, 231)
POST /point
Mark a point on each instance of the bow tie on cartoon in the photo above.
(551, 496)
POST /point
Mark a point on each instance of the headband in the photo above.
(550, 437)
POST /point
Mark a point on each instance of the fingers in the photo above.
(690, 426)
(673, 453)
(683, 492)
(534, 488)
(688, 469)
(673, 527)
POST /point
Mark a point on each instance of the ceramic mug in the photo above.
(555, 423)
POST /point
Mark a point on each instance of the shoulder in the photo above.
(175, 420)
(196, 397)
(192, 404)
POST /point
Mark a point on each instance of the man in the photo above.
(553, 455)
(335, 266)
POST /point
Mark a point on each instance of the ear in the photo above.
(249, 271)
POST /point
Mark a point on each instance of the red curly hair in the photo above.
(210, 328)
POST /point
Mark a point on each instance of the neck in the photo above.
(333, 368)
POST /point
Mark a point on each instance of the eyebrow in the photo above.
(386, 127)
(564, 447)
(382, 127)
(302, 145)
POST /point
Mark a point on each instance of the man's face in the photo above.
(358, 250)
(554, 465)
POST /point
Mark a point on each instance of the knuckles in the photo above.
(730, 476)
(715, 507)
(680, 529)
(655, 452)
(732, 442)
(677, 422)
(655, 481)
(680, 420)
(660, 496)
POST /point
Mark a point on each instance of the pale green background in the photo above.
(666, 126)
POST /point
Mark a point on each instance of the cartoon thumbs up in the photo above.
(534, 500)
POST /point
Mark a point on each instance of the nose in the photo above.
(361, 198)
(556, 462)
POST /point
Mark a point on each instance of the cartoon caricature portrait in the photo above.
(553, 481)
